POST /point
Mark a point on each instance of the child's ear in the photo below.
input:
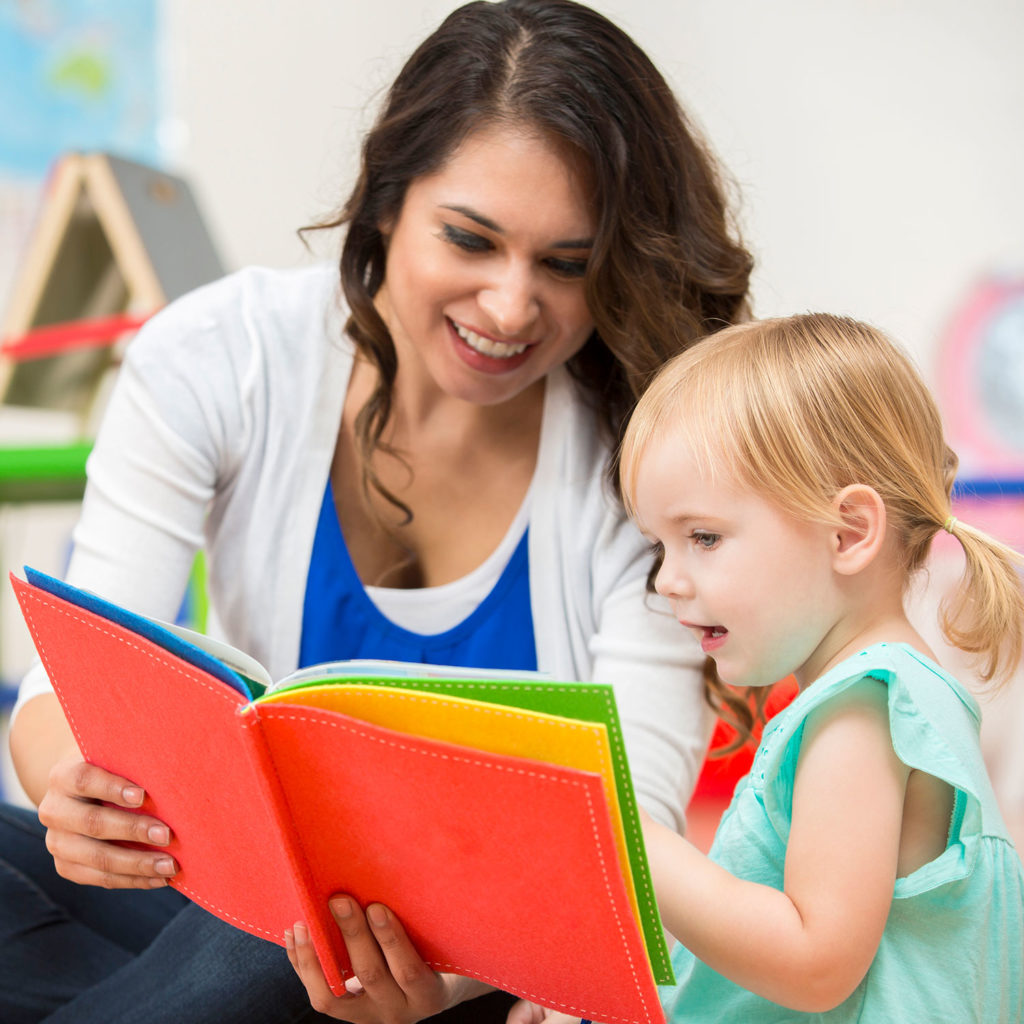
(862, 533)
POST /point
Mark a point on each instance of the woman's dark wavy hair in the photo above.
(666, 267)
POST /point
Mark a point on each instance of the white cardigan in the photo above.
(220, 433)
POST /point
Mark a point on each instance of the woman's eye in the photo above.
(705, 540)
(465, 240)
(566, 267)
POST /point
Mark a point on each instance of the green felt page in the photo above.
(584, 702)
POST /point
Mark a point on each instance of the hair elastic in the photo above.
(949, 524)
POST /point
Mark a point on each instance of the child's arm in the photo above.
(808, 946)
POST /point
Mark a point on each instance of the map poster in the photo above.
(76, 75)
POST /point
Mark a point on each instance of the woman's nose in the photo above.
(510, 300)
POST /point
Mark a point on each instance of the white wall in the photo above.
(878, 144)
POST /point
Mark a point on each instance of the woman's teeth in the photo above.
(487, 346)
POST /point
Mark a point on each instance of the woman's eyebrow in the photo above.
(486, 222)
(483, 221)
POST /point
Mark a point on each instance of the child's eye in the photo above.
(565, 267)
(468, 241)
(704, 539)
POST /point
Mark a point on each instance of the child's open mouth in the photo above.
(713, 638)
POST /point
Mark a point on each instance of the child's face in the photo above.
(755, 585)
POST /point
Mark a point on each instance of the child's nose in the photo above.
(671, 582)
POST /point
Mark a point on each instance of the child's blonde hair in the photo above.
(796, 409)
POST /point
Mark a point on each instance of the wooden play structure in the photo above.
(114, 241)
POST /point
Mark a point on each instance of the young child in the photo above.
(792, 474)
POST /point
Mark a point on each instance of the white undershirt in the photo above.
(431, 610)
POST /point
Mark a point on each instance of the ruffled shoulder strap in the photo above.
(934, 723)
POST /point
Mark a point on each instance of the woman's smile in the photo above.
(485, 345)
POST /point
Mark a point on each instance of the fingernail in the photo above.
(377, 914)
(159, 834)
(301, 934)
(341, 906)
(132, 795)
(165, 866)
(289, 939)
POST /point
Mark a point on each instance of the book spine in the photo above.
(316, 915)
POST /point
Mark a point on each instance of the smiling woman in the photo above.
(411, 459)
(479, 308)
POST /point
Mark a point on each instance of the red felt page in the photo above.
(149, 716)
(500, 868)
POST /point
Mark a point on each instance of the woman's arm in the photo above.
(808, 946)
(40, 737)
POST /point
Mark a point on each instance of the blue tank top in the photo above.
(339, 621)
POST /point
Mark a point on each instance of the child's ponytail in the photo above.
(985, 614)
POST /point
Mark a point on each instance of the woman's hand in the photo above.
(392, 984)
(81, 831)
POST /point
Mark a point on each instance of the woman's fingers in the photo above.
(88, 861)
(384, 960)
(304, 962)
(75, 779)
(88, 818)
(391, 983)
(78, 778)
(82, 832)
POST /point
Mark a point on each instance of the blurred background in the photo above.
(876, 149)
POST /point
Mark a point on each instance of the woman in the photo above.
(417, 470)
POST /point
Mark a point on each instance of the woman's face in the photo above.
(483, 287)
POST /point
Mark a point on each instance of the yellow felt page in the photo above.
(494, 728)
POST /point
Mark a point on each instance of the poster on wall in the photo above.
(77, 75)
(981, 392)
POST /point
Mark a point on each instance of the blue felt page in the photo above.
(147, 628)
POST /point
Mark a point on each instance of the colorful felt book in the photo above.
(493, 812)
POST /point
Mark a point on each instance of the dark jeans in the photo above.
(78, 954)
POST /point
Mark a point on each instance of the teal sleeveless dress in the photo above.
(953, 946)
